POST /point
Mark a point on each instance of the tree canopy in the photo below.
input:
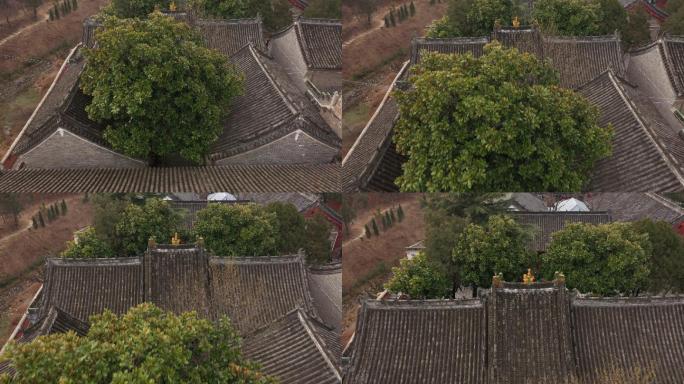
(145, 345)
(138, 223)
(674, 24)
(290, 225)
(135, 8)
(473, 18)
(158, 90)
(88, 245)
(498, 122)
(667, 256)
(276, 14)
(605, 259)
(568, 17)
(238, 230)
(317, 240)
(498, 246)
(324, 9)
(419, 279)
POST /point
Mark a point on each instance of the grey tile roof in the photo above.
(367, 153)
(529, 202)
(292, 350)
(229, 178)
(672, 51)
(55, 321)
(255, 291)
(516, 334)
(629, 333)
(646, 151)
(579, 60)
(320, 41)
(269, 108)
(86, 287)
(301, 201)
(636, 206)
(426, 342)
(229, 36)
(545, 224)
(524, 39)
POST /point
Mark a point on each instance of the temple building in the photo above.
(275, 303)
(639, 94)
(516, 333)
(281, 119)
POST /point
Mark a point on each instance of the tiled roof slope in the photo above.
(419, 342)
(290, 350)
(642, 157)
(229, 178)
(459, 45)
(545, 224)
(370, 147)
(55, 321)
(527, 40)
(301, 201)
(529, 335)
(627, 334)
(269, 108)
(255, 291)
(229, 36)
(320, 41)
(86, 287)
(579, 60)
(177, 279)
(672, 50)
(636, 206)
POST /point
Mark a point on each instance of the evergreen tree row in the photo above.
(59, 10)
(398, 15)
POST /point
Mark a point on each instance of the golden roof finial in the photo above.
(172, 6)
(516, 22)
(497, 280)
(175, 240)
(559, 278)
(528, 278)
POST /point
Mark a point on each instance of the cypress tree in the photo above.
(400, 213)
(368, 234)
(388, 218)
(52, 14)
(412, 8)
(56, 10)
(40, 219)
(74, 5)
(394, 218)
(35, 223)
(376, 232)
(392, 20)
(64, 207)
(387, 22)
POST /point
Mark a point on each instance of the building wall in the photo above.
(285, 50)
(294, 148)
(326, 79)
(63, 149)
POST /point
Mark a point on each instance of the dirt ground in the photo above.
(367, 76)
(361, 276)
(23, 251)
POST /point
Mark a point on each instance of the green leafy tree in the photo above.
(499, 246)
(138, 223)
(127, 9)
(145, 345)
(290, 225)
(471, 18)
(238, 230)
(108, 210)
(636, 32)
(667, 256)
(568, 17)
(317, 245)
(419, 279)
(324, 9)
(157, 88)
(674, 24)
(276, 14)
(498, 122)
(604, 259)
(88, 246)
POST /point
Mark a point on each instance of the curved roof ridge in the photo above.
(419, 304)
(317, 20)
(293, 258)
(57, 261)
(581, 39)
(253, 20)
